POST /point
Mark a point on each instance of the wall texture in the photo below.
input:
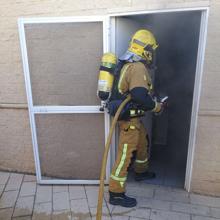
(206, 169)
(15, 146)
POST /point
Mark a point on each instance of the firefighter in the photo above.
(134, 79)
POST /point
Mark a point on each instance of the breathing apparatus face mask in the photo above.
(150, 56)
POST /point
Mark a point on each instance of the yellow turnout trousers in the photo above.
(133, 137)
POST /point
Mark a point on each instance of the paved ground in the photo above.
(22, 199)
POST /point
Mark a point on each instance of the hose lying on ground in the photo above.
(105, 156)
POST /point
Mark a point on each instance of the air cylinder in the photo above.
(106, 76)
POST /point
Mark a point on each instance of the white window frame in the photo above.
(198, 76)
(33, 110)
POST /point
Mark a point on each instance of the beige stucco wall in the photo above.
(206, 169)
(15, 147)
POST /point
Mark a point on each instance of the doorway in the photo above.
(178, 35)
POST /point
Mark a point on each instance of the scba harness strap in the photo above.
(131, 109)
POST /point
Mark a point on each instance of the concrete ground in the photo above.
(22, 199)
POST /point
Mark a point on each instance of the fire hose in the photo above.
(105, 156)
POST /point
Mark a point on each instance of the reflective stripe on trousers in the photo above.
(130, 139)
(123, 157)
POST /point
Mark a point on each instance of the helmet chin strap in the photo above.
(151, 64)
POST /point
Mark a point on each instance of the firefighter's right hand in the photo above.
(161, 105)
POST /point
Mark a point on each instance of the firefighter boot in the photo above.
(144, 176)
(122, 200)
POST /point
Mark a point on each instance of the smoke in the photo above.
(177, 34)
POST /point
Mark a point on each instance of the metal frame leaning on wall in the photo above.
(33, 110)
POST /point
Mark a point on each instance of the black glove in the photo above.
(113, 106)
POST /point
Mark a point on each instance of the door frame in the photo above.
(59, 109)
(198, 76)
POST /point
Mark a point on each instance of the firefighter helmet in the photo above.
(143, 44)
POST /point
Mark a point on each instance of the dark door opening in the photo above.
(178, 36)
